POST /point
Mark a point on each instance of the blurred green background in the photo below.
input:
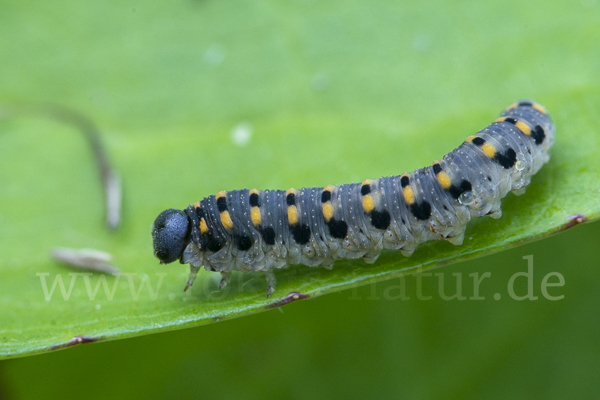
(321, 85)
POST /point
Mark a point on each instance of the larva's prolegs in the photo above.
(251, 230)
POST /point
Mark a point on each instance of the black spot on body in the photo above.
(421, 211)
(437, 168)
(456, 191)
(301, 233)
(243, 242)
(508, 159)
(380, 219)
(510, 120)
(525, 104)
(325, 196)
(200, 213)
(538, 134)
(268, 235)
(290, 199)
(365, 189)
(478, 141)
(254, 200)
(337, 229)
(214, 244)
(222, 204)
(404, 181)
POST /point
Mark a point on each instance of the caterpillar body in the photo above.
(251, 230)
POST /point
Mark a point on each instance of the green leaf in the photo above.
(333, 93)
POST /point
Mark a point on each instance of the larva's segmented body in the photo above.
(251, 230)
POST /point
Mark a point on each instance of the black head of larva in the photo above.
(170, 234)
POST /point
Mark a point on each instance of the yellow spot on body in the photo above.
(488, 149)
(367, 182)
(539, 108)
(512, 106)
(523, 127)
(222, 193)
(327, 211)
(368, 203)
(226, 220)
(292, 212)
(197, 204)
(255, 215)
(444, 180)
(501, 119)
(470, 139)
(291, 191)
(254, 191)
(203, 226)
(409, 195)
(328, 188)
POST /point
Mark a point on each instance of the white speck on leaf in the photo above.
(320, 82)
(214, 55)
(421, 43)
(241, 134)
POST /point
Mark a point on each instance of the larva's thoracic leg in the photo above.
(270, 282)
(253, 230)
(225, 278)
(193, 272)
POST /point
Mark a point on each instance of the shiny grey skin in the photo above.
(449, 217)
